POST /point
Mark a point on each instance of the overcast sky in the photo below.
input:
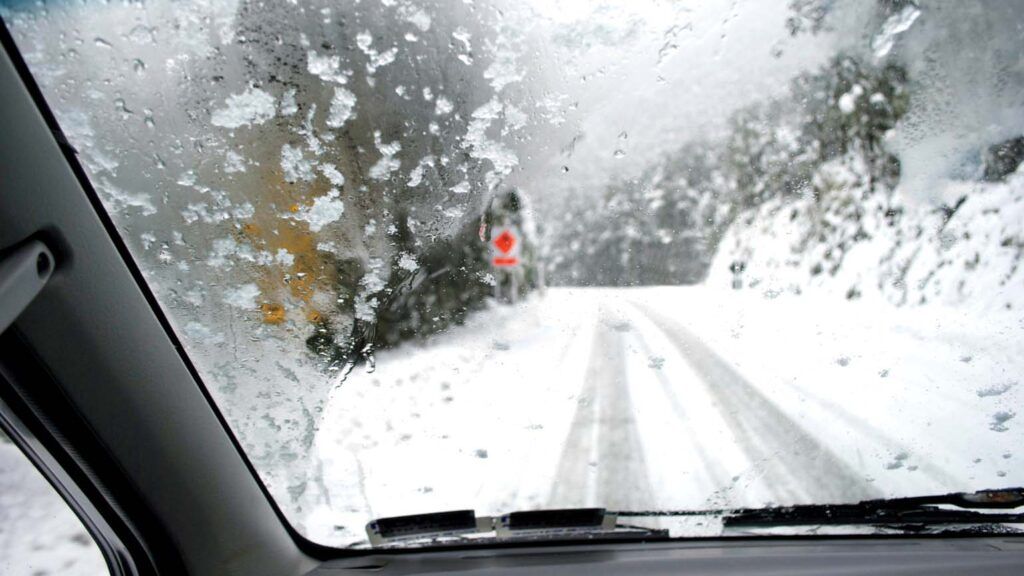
(649, 76)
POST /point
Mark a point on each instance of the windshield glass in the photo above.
(508, 255)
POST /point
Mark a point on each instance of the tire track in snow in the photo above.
(710, 467)
(791, 462)
(602, 461)
(511, 499)
(933, 471)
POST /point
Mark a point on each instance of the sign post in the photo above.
(505, 258)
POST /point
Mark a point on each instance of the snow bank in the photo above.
(849, 243)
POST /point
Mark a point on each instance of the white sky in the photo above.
(715, 56)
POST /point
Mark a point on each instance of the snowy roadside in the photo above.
(473, 418)
(919, 399)
(39, 535)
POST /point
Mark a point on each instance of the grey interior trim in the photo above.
(97, 334)
(119, 560)
(23, 273)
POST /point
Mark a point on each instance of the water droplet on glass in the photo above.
(623, 135)
(619, 153)
(148, 120)
(565, 169)
(121, 106)
(102, 43)
(142, 34)
(139, 66)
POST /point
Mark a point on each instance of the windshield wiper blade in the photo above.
(570, 523)
(464, 525)
(917, 510)
(914, 510)
(461, 526)
(431, 526)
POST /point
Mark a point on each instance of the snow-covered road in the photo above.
(669, 398)
(603, 458)
(608, 430)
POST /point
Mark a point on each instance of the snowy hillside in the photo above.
(884, 247)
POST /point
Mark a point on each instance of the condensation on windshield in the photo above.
(509, 254)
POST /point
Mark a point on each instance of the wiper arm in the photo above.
(895, 511)
(464, 525)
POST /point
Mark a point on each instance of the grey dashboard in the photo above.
(989, 556)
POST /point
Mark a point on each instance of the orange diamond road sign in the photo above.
(505, 247)
(505, 241)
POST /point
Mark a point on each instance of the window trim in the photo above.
(61, 464)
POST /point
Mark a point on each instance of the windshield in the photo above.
(510, 255)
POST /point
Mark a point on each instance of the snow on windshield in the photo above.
(512, 255)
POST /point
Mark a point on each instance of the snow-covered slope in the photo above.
(851, 243)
